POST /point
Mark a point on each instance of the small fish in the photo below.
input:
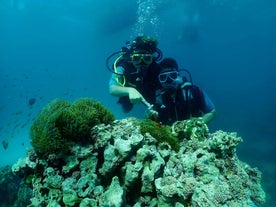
(17, 113)
(159, 125)
(23, 125)
(31, 101)
(5, 144)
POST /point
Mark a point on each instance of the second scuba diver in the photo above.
(178, 98)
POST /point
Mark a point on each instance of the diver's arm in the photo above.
(132, 93)
(209, 116)
(118, 91)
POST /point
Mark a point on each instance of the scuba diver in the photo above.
(178, 98)
(134, 73)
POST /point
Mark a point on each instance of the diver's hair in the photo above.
(168, 63)
(144, 44)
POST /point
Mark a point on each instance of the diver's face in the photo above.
(141, 61)
(170, 80)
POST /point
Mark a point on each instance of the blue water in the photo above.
(57, 49)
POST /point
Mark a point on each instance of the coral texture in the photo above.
(13, 192)
(123, 167)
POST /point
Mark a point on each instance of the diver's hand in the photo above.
(150, 112)
(134, 96)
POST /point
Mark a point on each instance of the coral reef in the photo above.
(123, 167)
(60, 124)
(13, 191)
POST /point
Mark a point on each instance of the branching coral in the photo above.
(224, 144)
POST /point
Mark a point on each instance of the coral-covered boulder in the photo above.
(124, 167)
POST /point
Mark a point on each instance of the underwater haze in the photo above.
(58, 48)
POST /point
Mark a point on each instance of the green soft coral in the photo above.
(161, 133)
(46, 135)
(61, 123)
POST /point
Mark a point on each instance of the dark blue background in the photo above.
(58, 50)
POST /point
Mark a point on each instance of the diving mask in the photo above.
(138, 58)
(167, 76)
